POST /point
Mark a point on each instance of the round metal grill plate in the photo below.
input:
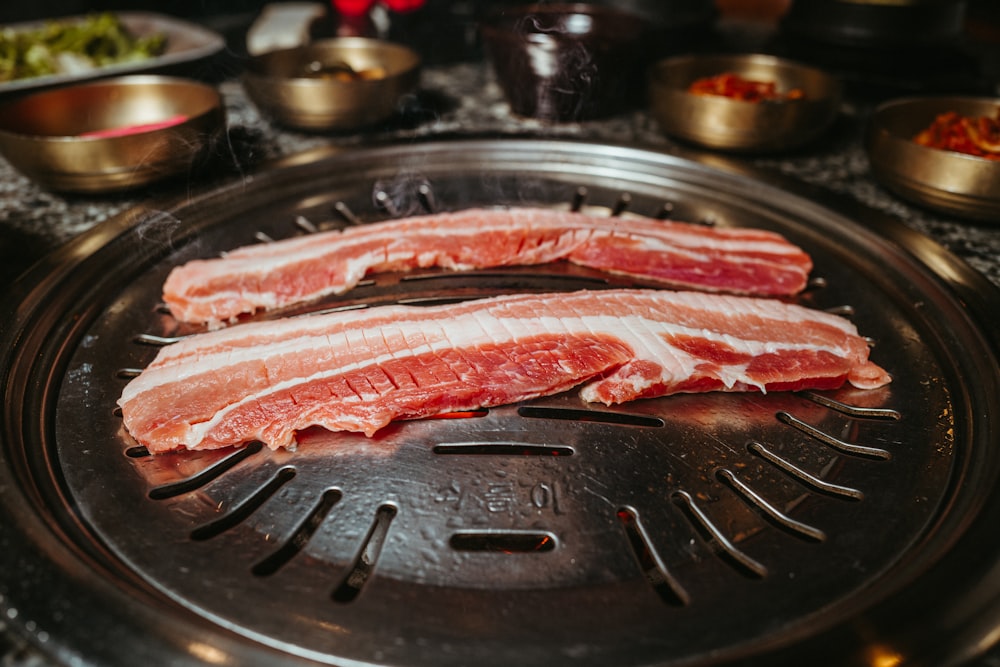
(684, 530)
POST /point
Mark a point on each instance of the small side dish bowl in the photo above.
(724, 123)
(946, 181)
(113, 134)
(342, 83)
(568, 62)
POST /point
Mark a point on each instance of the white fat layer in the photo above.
(695, 246)
(472, 330)
(352, 270)
(262, 259)
(165, 369)
(263, 300)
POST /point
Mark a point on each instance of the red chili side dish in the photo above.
(951, 131)
(736, 87)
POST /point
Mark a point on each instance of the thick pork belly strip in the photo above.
(359, 370)
(678, 254)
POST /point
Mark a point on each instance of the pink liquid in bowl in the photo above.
(135, 129)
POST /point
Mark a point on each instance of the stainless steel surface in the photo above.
(43, 134)
(723, 123)
(954, 183)
(282, 85)
(187, 42)
(696, 530)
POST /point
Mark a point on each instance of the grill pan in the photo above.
(789, 528)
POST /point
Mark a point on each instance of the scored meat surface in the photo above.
(675, 254)
(359, 370)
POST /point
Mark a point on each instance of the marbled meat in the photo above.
(675, 254)
(360, 370)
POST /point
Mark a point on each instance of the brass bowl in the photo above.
(945, 181)
(111, 135)
(342, 83)
(728, 124)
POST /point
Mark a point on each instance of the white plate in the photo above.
(186, 42)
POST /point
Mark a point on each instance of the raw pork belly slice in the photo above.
(359, 370)
(676, 254)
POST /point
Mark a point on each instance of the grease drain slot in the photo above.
(501, 449)
(364, 564)
(503, 541)
(665, 585)
(300, 537)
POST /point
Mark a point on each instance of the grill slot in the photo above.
(832, 441)
(853, 410)
(346, 213)
(624, 199)
(779, 518)
(245, 509)
(364, 564)
(156, 341)
(305, 224)
(426, 194)
(717, 539)
(300, 536)
(506, 542)
(591, 415)
(669, 590)
(501, 449)
(816, 483)
(204, 477)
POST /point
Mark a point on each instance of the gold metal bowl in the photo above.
(111, 135)
(342, 83)
(945, 181)
(728, 124)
